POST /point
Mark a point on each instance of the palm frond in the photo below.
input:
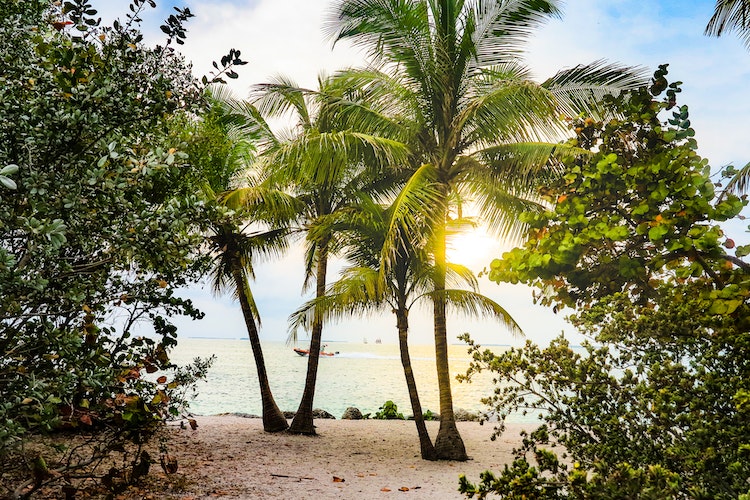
(731, 15)
(502, 28)
(581, 89)
(458, 275)
(358, 291)
(388, 30)
(522, 166)
(740, 183)
(510, 111)
(282, 97)
(476, 305)
(408, 219)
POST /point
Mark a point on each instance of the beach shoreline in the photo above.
(231, 457)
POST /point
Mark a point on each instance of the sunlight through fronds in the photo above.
(459, 275)
(408, 215)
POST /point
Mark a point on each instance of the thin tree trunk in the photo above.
(425, 444)
(273, 418)
(303, 419)
(448, 444)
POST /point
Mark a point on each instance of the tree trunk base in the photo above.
(449, 445)
(275, 422)
(302, 425)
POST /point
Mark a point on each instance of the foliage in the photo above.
(641, 206)
(99, 229)
(389, 411)
(656, 405)
(430, 415)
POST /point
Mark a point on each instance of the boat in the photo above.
(306, 352)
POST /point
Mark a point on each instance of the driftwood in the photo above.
(298, 478)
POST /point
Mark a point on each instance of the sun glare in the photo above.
(474, 249)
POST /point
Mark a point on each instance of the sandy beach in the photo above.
(231, 457)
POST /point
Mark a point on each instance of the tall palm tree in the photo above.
(731, 15)
(368, 285)
(234, 249)
(480, 128)
(223, 145)
(323, 164)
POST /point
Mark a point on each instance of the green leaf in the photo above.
(7, 182)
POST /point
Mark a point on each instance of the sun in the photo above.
(474, 249)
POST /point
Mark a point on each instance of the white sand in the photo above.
(231, 457)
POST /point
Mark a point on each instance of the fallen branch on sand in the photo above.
(298, 478)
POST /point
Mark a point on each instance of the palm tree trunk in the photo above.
(273, 418)
(425, 444)
(448, 444)
(303, 419)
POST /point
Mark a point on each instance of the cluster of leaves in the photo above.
(642, 205)
(657, 405)
(100, 226)
(389, 411)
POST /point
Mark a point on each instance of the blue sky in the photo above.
(284, 36)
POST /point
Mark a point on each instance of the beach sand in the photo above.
(231, 457)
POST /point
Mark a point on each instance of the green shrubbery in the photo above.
(389, 411)
(101, 226)
(656, 405)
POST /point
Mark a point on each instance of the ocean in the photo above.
(362, 375)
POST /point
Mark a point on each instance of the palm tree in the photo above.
(234, 249)
(369, 285)
(223, 145)
(323, 164)
(479, 128)
(731, 15)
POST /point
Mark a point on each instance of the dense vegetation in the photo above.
(100, 227)
(123, 178)
(656, 406)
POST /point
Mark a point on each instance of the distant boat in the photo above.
(378, 341)
(306, 352)
(364, 340)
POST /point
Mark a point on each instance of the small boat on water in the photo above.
(306, 352)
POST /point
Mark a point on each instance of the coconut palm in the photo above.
(323, 164)
(368, 285)
(223, 145)
(479, 127)
(234, 249)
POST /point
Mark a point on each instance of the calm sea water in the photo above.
(361, 375)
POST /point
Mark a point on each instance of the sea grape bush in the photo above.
(99, 225)
(656, 406)
(389, 411)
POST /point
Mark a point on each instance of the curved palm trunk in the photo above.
(273, 418)
(303, 419)
(425, 444)
(448, 444)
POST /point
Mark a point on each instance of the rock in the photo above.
(461, 415)
(318, 413)
(352, 413)
(289, 414)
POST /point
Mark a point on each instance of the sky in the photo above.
(285, 37)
